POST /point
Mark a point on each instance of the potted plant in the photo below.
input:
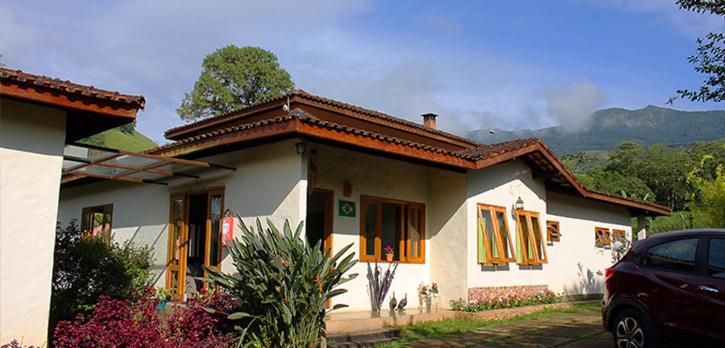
(434, 293)
(389, 253)
(422, 295)
(164, 295)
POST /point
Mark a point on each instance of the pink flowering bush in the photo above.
(505, 301)
(135, 323)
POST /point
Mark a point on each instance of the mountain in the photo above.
(609, 127)
(119, 139)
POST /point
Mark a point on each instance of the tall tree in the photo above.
(234, 77)
(710, 57)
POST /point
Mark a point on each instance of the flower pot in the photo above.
(389, 257)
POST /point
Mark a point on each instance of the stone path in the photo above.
(580, 329)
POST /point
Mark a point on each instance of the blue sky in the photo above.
(478, 64)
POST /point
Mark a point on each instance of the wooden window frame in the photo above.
(536, 261)
(404, 239)
(87, 223)
(602, 237)
(622, 235)
(489, 259)
(550, 235)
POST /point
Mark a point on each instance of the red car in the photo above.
(671, 285)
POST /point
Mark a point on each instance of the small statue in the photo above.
(393, 302)
(403, 302)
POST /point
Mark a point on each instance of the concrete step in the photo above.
(360, 339)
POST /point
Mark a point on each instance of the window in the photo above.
(716, 258)
(552, 231)
(619, 236)
(97, 220)
(398, 224)
(529, 244)
(602, 237)
(494, 239)
(676, 256)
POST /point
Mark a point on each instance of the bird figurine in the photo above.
(403, 302)
(393, 302)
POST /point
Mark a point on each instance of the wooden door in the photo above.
(178, 240)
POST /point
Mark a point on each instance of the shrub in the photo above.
(505, 301)
(16, 344)
(135, 323)
(86, 268)
(282, 285)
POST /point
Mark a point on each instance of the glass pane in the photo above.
(414, 232)
(489, 233)
(525, 242)
(716, 258)
(215, 240)
(537, 236)
(175, 242)
(371, 220)
(503, 233)
(676, 256)
(392, 223)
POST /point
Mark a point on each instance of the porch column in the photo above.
(641, 230)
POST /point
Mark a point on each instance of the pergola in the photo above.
(88, 161)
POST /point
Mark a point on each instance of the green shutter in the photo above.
(481, 247)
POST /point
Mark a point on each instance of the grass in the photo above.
(436, 329)
(117, 139)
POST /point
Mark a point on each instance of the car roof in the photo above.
(672, 235)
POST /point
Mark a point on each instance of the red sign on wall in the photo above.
(227, 229)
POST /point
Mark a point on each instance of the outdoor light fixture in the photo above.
(519, 204)
(300, 147)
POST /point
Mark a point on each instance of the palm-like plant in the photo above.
(283, 284)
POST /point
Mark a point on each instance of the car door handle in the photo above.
(708, 289)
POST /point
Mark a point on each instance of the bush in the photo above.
(135, 323)
(86, 268)
(282, 285)
(507, 301)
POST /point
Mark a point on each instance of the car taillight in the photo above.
(608, 273)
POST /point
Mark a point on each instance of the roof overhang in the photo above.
(89, 110)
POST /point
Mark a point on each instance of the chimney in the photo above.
(429, 120)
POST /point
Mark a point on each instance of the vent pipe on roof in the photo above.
(429, 120)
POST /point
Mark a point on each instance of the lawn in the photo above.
(437, 329)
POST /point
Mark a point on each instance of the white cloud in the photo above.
(571, 105)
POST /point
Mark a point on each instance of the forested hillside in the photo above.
(609, 127)
(689, 179)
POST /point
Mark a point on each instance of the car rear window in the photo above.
(676, 256)
(716, 258)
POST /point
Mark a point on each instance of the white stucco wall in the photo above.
(380, 177)
(267, 183)
(574, 263)
(31, 156)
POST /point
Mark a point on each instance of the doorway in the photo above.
(318, 225)
(194, 240)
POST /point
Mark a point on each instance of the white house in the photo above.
(473, 218)
(38, 116)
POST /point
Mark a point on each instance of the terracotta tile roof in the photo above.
(330, 102)
(70, 88)
(484, 151)
(305, 117)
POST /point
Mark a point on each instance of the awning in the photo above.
(87, 161)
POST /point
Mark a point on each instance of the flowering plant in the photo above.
(422, 289)
(389, 250)
(434, 288)
(505, 301)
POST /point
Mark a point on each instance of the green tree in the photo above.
(234, 77)
(665, 171)
(626, 159)
(710, 57)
